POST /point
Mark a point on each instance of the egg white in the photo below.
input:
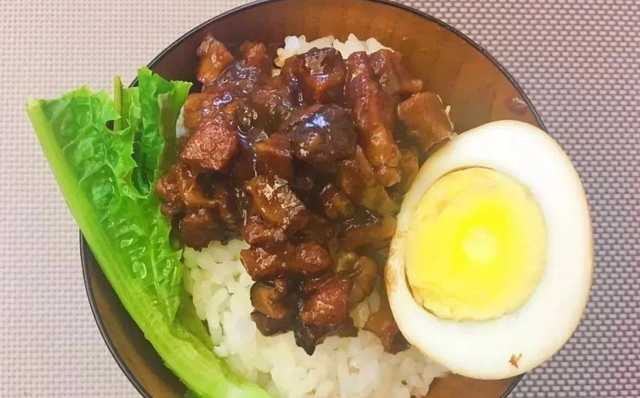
(538, 329)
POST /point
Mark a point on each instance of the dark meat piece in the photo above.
(304, 181)
(382, 324)
(308, 336)
(208, 107)
(240, 78)
(199, 107)
(257, 232)
(269, 326)
(244, 116)
(365, 274)
(426, 119)
(323, 74)
(345, 329)
(269, 298)
(392, 75)
(367, 234)
(309, 259)
(273, 157)
(328, 304)
(262, 264)
(213, 192)
(180, 189)
(283, 286)
(214, 57)
(322, 135)
(335, 203)
(305, 259)
(331, 307)
(189, 190)
(255, 54)
(345, 261)
(277, 203)
(374, 116)
(314, 284)
(357, 181)
(225, 208)
(170, 193)
(316, 76)
(193, 193)
(318, 229)
(291, 76)
(273, 103)
(409, 166)
(243, 168)
(211, 146)
(224, 96)
(199, 227)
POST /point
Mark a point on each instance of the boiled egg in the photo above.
(490, 267)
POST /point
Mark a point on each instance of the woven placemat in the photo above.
(578, 61)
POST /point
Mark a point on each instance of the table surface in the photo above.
(577, 60)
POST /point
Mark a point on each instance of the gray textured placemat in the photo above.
(578, 61)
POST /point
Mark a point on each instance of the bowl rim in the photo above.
(85, 250)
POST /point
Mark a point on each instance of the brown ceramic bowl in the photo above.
(478, 89)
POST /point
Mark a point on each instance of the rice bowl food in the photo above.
(351, 367)
(303, 190)
(307, 222)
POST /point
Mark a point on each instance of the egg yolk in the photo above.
(476, 246)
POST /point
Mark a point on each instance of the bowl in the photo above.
(476, 86)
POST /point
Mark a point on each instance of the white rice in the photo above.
(345, 367)
(295, 45)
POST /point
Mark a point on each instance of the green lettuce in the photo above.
(106, 155)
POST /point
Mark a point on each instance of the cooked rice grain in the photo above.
(295, 45)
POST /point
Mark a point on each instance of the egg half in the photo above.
(490, 267)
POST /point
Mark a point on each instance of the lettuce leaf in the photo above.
(106, 154)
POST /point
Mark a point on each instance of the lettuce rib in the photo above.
(106, 178)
